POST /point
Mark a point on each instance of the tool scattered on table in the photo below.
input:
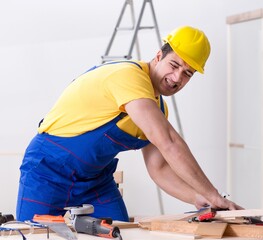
(6, 218)
(83, 223)
(56, 224)
(204, 217)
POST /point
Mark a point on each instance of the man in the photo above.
(115, 107)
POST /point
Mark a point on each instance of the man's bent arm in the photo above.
(149, 118)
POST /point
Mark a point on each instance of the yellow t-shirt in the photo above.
(97, 97)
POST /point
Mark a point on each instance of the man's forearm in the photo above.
(169, 182)
(186, 167)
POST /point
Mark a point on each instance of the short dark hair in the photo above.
(166, 48)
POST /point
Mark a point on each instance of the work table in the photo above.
(127, 234)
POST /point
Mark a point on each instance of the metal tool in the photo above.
(6, 218)
(56, 224)
(83, 223)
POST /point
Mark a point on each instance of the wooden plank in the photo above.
(118, 177)
(212, 230)
(239, 213)
(145, 225)
(174, 226)
(163, 218)
(175, 236)
(125, 225)
(233, 230)
(121, 191)
(244, 230)
(219, 214)
(238, 220)
(246, 16)
(235, 216)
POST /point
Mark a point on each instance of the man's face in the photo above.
(170, 74)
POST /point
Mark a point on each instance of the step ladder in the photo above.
(136, 27)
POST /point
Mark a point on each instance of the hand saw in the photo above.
(56, 224)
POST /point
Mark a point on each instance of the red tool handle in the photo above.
(206, 216)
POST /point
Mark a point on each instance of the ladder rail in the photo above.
(156, 25)
(136, 29)
(116, 27)
(136, 40)
(139, 27)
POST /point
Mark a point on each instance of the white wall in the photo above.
(45, 44)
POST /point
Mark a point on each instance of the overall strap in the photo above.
(162, 104)
(124, 61)
(114, 62)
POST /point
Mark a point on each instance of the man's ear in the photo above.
(158, 56)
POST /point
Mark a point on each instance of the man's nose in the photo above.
(177, 76)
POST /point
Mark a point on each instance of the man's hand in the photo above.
(201, 202)
(224, 203)
(220, 203)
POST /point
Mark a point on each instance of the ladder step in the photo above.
(147, 27)
(109, 58)
(132, 28)
(124, 28)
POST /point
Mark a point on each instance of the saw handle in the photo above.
(48, 218)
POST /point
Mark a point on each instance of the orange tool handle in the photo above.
(106, 230)
(48, 218)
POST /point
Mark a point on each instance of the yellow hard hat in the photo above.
(191, 45)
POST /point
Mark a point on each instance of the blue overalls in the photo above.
(58, 172)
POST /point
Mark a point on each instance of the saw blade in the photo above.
(56, 224)
(63, 230)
